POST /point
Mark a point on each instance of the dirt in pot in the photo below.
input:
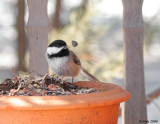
(33, 84)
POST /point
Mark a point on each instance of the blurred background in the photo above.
(96, 26)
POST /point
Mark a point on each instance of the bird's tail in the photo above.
(88, 75)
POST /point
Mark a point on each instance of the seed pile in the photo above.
(34, 84)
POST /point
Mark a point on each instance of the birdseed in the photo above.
(33, 84)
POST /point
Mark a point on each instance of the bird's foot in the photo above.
(72, 85)
(61, 79)
(72, 80)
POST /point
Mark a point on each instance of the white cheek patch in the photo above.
(53, 50)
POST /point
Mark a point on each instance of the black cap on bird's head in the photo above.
(57, 48)
(58, 43)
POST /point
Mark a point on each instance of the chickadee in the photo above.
(64, 62)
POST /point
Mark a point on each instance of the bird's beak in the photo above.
(66, 47)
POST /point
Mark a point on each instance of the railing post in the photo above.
(37, 27)
(21, 35)
(134, 110)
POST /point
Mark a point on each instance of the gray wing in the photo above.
(75, 58)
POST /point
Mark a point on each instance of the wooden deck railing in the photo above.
(38, 27)
(132, 27)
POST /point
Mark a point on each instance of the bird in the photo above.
(64, 62)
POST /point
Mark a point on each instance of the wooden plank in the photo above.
(21, 36)
(153, 95)
(56, 17)
(37, 27)
(133, 110)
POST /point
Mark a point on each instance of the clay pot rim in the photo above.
(110, 94)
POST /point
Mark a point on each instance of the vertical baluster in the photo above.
(37, 27)
(21, 35)
(132, 27)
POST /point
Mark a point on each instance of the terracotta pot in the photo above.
(94, 108)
